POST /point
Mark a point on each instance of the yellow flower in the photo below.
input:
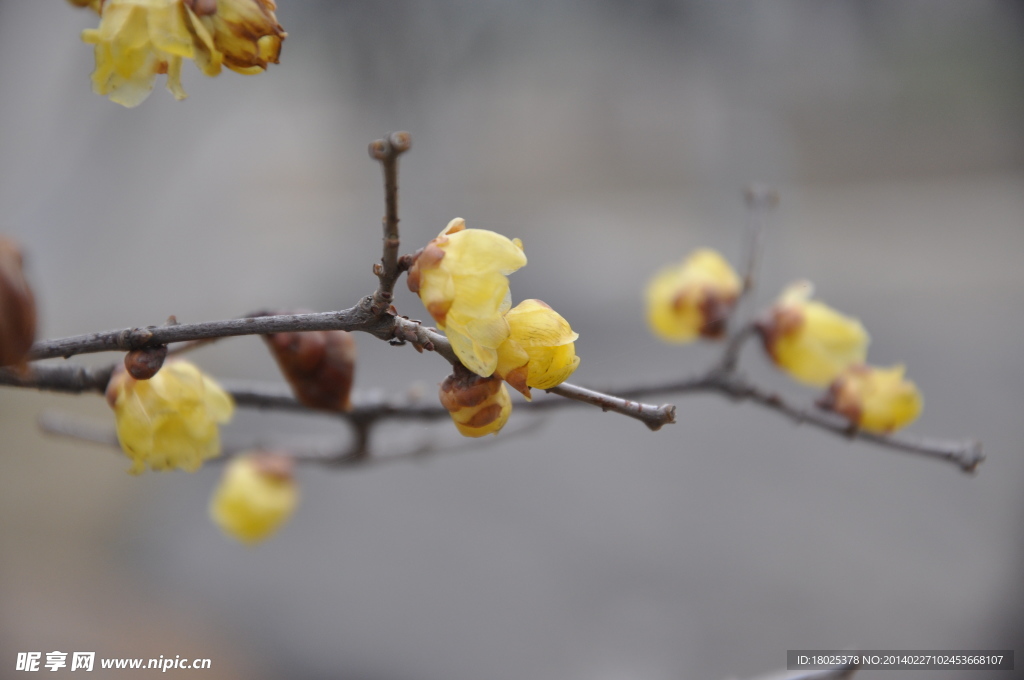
(461, 277)
(693, 298)
(540, 351)
(809, 340)
(256, 495)
(478, 406)
(169, 421)
(875, 399)
(138, 39)
(245, 32)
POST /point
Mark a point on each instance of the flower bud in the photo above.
(478, 406)
(540, 351)
(693, 299)
(257, 494)
(875, 399)
(17, 307)
(462, 278)
(169, 421)
(143, 364)
(808, 339)
(319, 366)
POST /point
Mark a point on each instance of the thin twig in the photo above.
(387, 151)
(653, 417)
(760, 200)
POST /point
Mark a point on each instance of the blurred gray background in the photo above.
(612, 137)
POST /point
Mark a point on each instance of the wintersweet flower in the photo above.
(169, 421)
(462, 279)
(875, 399)
(255, 497)
(139, 39)
(692, 299)
(478, 406)
(245, 32)
(809, 340)
(540, 351)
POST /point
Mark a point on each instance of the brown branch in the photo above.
(387, 151)
(760, 200)
(653, 417)
(356, 454)
(966, 455)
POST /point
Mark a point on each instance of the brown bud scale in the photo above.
(17, 307)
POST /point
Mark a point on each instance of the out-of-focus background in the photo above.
(612, 137)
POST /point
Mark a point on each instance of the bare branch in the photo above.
(653, 417)
(966, 455)
(387, 151)
(760, 200)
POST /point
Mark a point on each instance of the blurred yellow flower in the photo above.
(461, 277)
(246, 32)
(540, 351)
(138, 39)
(478, 406)
(809, 340)
(169, 421)
(693, 298)
(257, 494)
(875, 399)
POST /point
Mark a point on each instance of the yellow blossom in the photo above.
(169, 421)
(256, 495)
(138, 39)
(540, 351)
(461, 277)
(693, 298)
(245, 32)
(809, 340)
(875, 399)
(478, 406)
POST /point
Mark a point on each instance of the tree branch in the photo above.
(387, 152)
(966, 455)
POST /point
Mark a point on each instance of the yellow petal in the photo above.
(876, 399)
(811, 341)
(533, 323)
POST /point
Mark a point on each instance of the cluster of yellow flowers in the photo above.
(138, 39)
(170, 421)
(813, 343)
(462, 278)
